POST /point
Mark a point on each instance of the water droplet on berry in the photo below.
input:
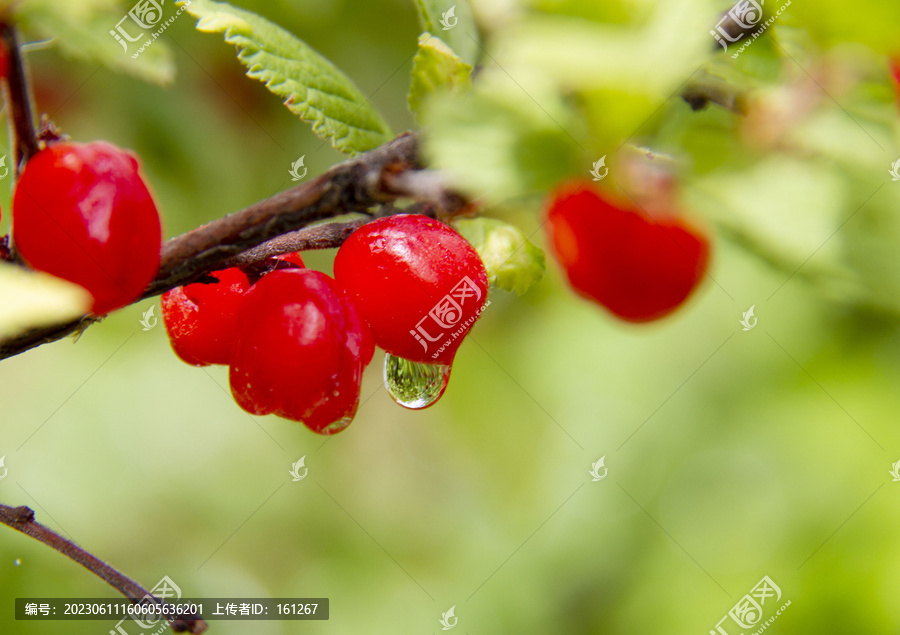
(337, 426)
(414, 385)
(17, 562)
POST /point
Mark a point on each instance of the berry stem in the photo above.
(22, 520)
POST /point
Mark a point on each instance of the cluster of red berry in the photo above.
(297, 341)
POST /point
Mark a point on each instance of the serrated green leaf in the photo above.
(454, 22)
(82, 31)
(312, 87)
(30, 299)
(436, 66)
(512, 262)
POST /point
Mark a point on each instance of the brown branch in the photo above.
(22, 519)
(19, 102)
(357, 185)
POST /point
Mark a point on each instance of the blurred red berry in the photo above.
(640, 269)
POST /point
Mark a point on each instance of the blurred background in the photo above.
(731, 454)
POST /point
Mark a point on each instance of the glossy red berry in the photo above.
(83, 213)
(418, 284)
(300, 350)
(200, 318)
(639, 268)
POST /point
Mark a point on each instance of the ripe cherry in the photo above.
(83, 213)
(639, 268)
(200, 318)
(300, 350)
(418, 284)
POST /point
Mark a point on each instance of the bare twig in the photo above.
(22, 519)
(18, 100)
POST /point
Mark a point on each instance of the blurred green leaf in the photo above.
(313, 88)
(499, 144)
(82, 30)
(30, 299)
(436, 66)
(513, 263)
(454, 22)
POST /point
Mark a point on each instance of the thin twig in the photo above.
(22, 519)
(19, 102)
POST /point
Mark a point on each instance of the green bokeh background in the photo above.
(731, 454)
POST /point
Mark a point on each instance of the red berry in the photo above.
(200, 318)
(895, 73)
(639, 268)
(418, 284)
(83, 213)
(300, 350)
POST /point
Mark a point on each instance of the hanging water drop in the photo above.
(414, 385)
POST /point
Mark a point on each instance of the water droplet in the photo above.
(414, 385)
(17, 562)
(337, 426)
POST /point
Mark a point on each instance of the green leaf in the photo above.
(29, 299)
(82, 31)
(312, 87)
(462, 36)
(436, 66)
(513, 263)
